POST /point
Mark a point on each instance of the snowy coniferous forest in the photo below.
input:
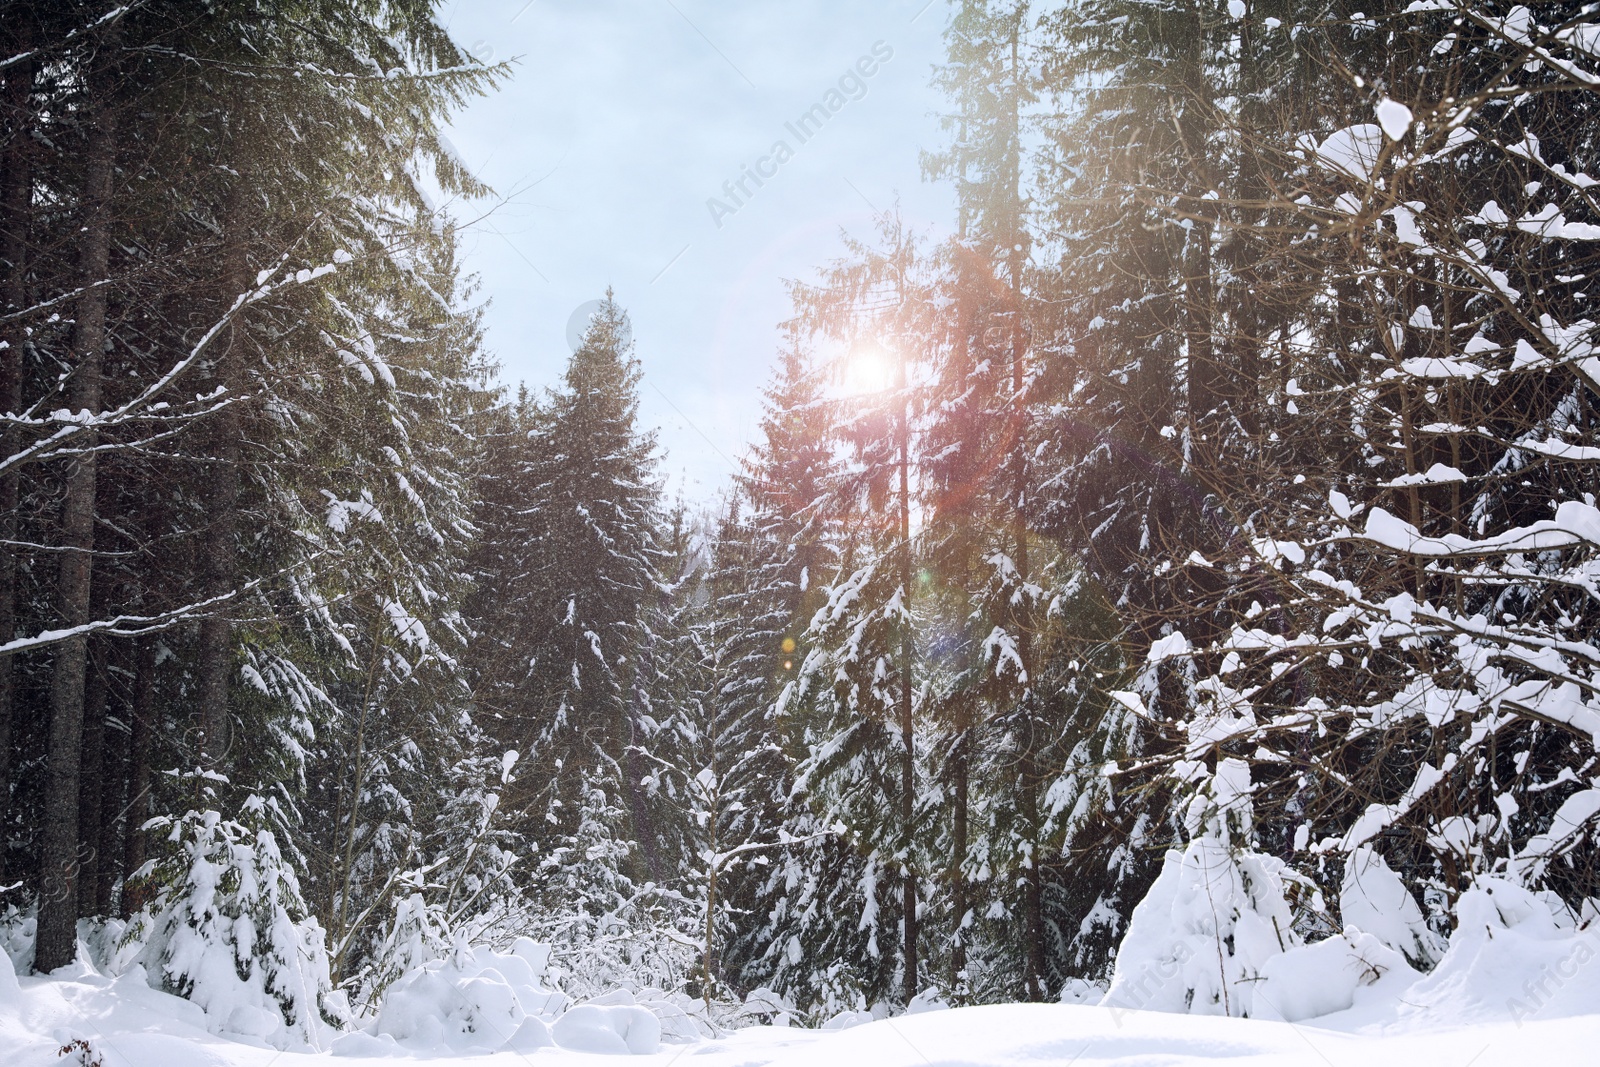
(1177, 590)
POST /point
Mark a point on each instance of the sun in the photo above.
(868, 369)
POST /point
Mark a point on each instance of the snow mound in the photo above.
(475, 999)
(10, 990)
(1511, 959)
(1082, 991)
(364, 1045)
(480, 1000)
(532, 1034)
(1330, 976)
(614, 1029)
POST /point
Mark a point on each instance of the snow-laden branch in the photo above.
(139, 625)
(121, 625)
(1575, 523)
(717, 861)
(144, 403)
(72, 35)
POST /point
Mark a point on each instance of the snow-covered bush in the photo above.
(417, 934)
(1215, 916)
(1511, 954)
(455, 886)
(1373, 899)
(1198, 941)
(1332, 975)
(1217, 934)
(17, 929)
(480, 999)
(471, 997)
(605, 930)
(233, 935)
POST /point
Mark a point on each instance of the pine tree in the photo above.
(233, 933)
(982, 439)
(225, 351)
(864, 665)
(569, 579)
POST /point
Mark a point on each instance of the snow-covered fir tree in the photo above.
(569, 587)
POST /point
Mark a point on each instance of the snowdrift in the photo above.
(1214, 936)
(1030, 1035)
(474, 1002)
(478, 1001)
(123, 1023)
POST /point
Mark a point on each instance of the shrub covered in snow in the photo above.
(232, 934)
(471, 998)
(1374, 899)
(1215, 915)
(1216, 934)
(486, 1000)
(1332, 975)
(1198, 940)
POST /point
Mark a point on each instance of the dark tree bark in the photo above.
(1021, 623)
(91, 782)
(1033, 879)
(908, 764)
(113, 790)
(141, 730)
(58, 896)
(961, 756)
(15, 203)
(220, 551)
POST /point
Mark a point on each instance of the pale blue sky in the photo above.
(622, 119)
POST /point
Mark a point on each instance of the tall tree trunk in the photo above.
(1022, 618)
(341, 878)
(1252, 319)
(1206, 376)
(141, 731)
(114, 793)
(220, 550)
(91, 783)
(712, 843)
(908, 762)
(959, 831)
(15, 211)
(58, 897)
(1033, 882)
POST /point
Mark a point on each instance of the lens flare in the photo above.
(868, 369)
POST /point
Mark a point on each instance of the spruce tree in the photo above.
(875, 305)
(568, 585)
(251, 312)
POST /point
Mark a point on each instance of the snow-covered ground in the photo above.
(1517, 983)
(127, 1024)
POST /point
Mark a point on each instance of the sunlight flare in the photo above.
(867, 370)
